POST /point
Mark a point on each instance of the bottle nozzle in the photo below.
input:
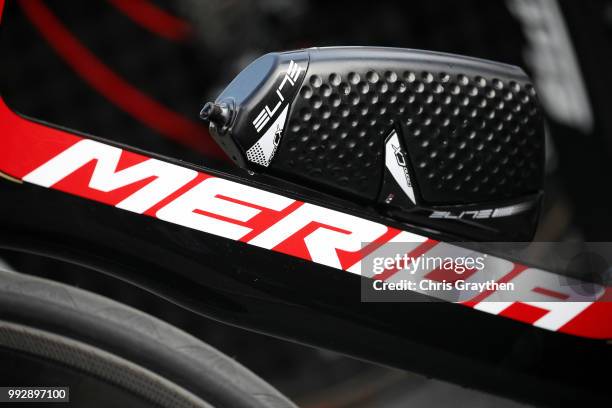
(216, 113)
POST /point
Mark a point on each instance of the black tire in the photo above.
(116, 344)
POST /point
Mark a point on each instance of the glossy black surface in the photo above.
(302, 301)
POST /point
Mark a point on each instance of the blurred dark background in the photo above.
(138, 72)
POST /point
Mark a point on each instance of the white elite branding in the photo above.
(291, 77)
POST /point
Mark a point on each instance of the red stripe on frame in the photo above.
(266, 218)
(295, 245)
(113, 87)
(517, 270)
(595, 321)
(351, 258)
(154, 19)
(25, 145)
(197, 180)
(415, 253)
(1, 9)
(77, 182)
(550, 293)
(450, 274)
(524, 313)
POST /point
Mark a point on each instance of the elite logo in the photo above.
(290, 77)
(484, 213)
(264, 149)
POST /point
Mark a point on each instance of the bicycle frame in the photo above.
(303, 296)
